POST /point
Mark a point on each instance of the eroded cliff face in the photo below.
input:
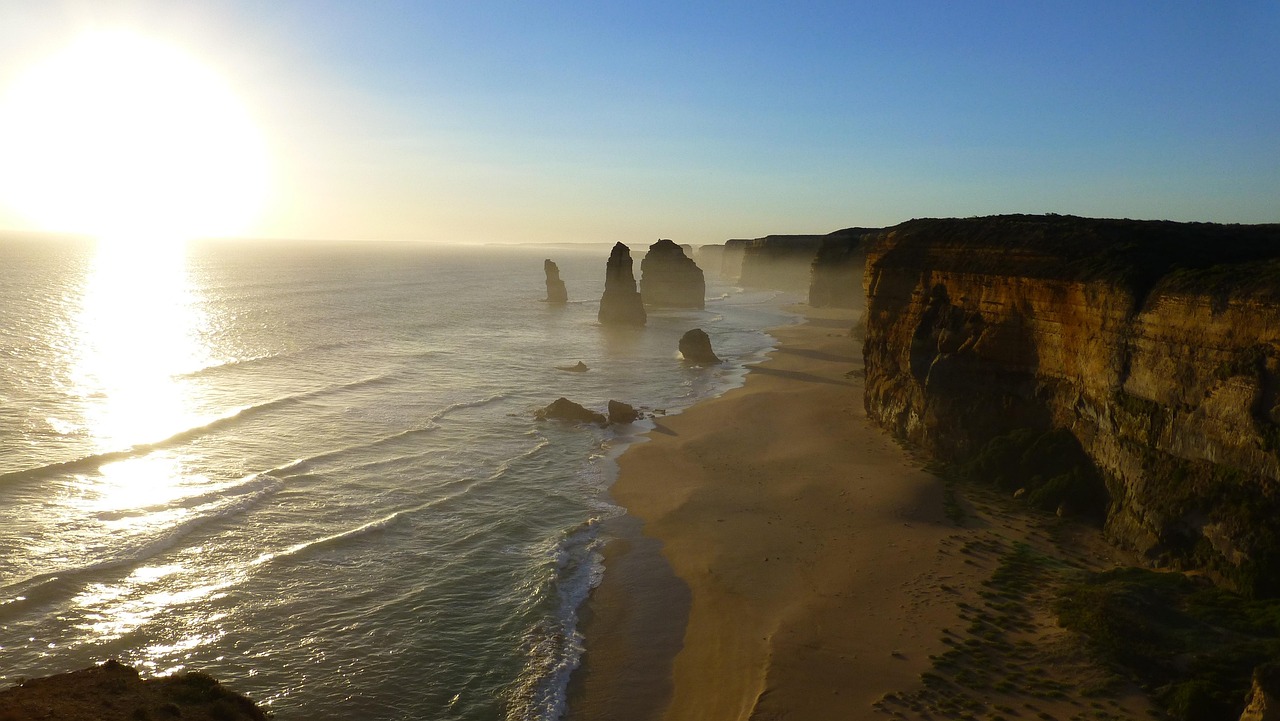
(1157, 345)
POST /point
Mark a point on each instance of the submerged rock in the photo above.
(669, 278)
(620, 412)
(695, 346)
(113, 691)
(620, 304)
(563, 409)
(556, 292)
(580, 367)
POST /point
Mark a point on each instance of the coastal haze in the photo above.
(639, 362)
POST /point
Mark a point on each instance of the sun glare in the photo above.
(132, 140)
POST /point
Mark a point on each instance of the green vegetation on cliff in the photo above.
(1192, 645)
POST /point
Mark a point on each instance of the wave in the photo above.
(94, 461)
(554, 646)
(42, 586)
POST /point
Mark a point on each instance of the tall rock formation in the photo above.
(556, 292)
(1155, 344)
(621, 303)
(670, 279)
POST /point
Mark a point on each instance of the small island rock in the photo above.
(620, 304)
(564, 409)
(620, 412)
(556, 292)
(695, 346)
(579, 367)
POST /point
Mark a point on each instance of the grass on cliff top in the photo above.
(1132, 253)
(1193, 646)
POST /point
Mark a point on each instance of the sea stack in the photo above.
(556, 292)
(695, 346)
(670, 279)
(620, 304)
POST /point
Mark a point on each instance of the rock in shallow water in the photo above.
(563, 409)
(620, 412)
(695, 346)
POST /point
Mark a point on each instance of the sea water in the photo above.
(313, 469)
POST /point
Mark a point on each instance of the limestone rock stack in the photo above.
(620, 304)
(670, 279)
(556, 292)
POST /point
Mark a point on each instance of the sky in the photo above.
(701, 121)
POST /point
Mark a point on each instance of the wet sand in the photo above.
(805, 546)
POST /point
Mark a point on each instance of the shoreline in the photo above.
(773, 552)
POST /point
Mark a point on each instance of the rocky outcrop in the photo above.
(563, 409)
(836, 277)
(1155, 344)
(620, 412)
(556, 292)
(115, 692)
(621, 303)
(1264, 696)
(670, 279)
(695, 347)
(780, 262)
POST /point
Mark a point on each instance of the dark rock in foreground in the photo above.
(670, 279)
(620, 412)
(563, 409)
(556, 292)
(579, 367)
(115, 692)
(620, 304)
(695, 346)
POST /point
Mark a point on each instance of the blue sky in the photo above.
(485, 121)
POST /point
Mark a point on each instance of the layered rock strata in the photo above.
(556, 292)
(621, 303)
(1156, 344)
(670, 279)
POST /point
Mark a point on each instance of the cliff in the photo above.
(836, 277)
(670, 279)
(1155, 345)
(781, 262)
(620, 304)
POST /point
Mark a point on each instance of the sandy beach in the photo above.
(804, 543)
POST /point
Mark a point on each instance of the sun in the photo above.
(129, 139)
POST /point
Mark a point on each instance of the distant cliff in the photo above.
(836, 277)
(782, 262)
(1156, 345)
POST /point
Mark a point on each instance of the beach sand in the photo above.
(804, 544)
(782, 558)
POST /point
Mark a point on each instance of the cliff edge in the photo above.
(1156, 345)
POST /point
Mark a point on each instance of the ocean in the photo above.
(312, 469)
